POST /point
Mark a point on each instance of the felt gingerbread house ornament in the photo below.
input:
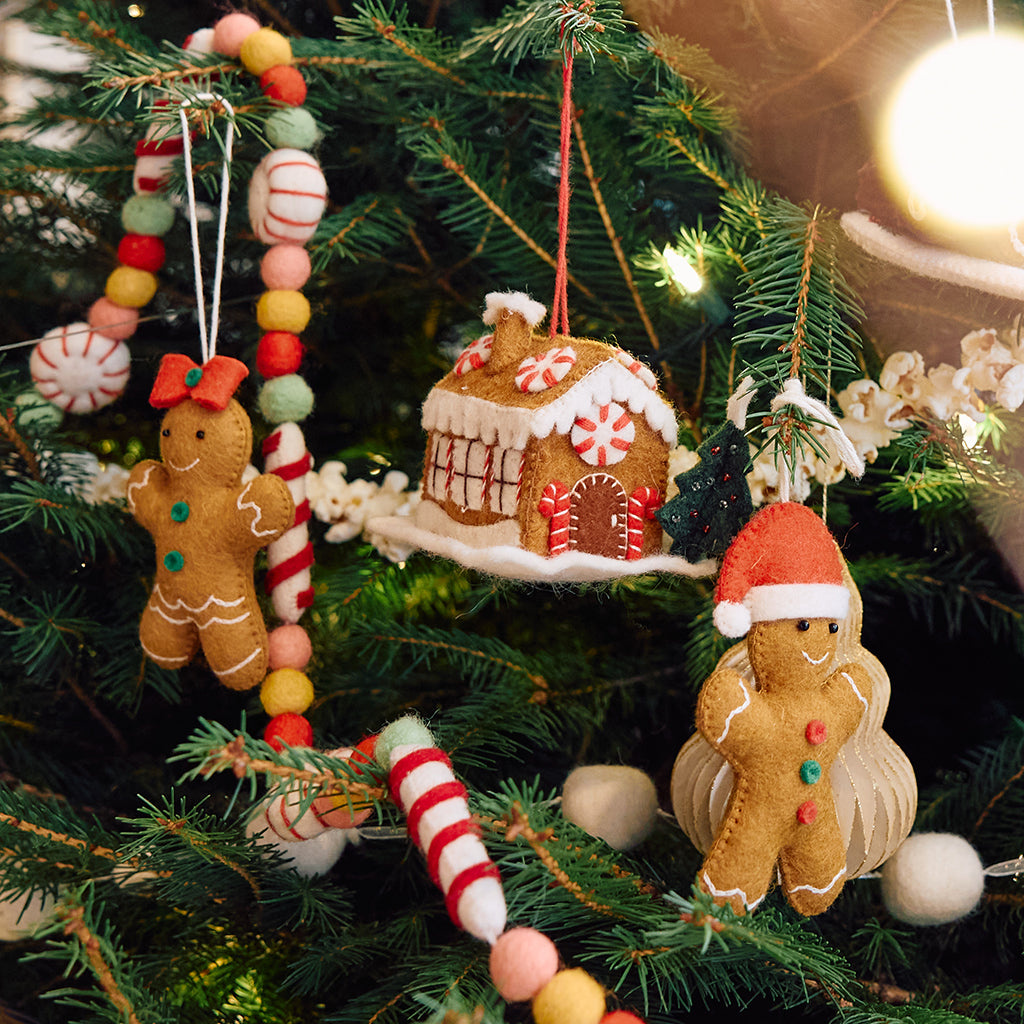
(546, 457)
(790, 774)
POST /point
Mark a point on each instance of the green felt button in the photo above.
(193, 377)
(810, 772)
(174, 561)
(180, 511)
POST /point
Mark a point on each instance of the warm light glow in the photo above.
(135, 11)
(970, 429)
(954, 133)
(682, 270)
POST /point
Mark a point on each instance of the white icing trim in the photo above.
(202, 625)
(182, 469)
(511, 562)
(179, 603)
(735, 711)
(138, 485)
(512, 425)
(860, 696)
(932, 261)
(797, 601)
(242, 506)
(515, 302)
(817, 661)
(732, 892)
(219, 673)
(840, 874)
(174, 662)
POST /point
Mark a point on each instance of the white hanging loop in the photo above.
(208, 341)
(793, 394)
(739, 402)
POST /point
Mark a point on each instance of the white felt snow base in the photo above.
(932, 261)
(516, 563)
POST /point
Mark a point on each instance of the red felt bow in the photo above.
(211, 385)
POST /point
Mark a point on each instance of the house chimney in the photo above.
(513, 315)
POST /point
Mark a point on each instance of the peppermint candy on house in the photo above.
(603, 434)
(474, 355)
(287, 196)
(537, 373)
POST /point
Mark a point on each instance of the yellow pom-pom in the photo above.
(570, 997)
(286, 690)
(128, 286)
(265, 49)
(283, 311)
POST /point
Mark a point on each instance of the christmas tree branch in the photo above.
(389, 33)
(22, 825)
(9, 431)
(800, 321)
(73, 916)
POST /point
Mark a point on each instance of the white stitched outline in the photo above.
(732, 892)
(182, 469)
(259, 512)
(179, 603)
(812, 661)
(735, 711)
(860, 696)
(201, 625)
(138, 485)
(810, 888)
(234, 668)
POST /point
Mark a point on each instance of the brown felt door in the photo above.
(597, 516)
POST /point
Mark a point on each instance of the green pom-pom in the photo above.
(147, 215)
(403, 730)
(292, 128)
(36, 411)
(287, 399)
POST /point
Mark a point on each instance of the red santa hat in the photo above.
(783, 564)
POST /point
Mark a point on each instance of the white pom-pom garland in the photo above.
(615, 802)
(933, 878)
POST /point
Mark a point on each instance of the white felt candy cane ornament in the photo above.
(423, 785)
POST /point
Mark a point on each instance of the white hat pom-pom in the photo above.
(732, 618)
(933, 878)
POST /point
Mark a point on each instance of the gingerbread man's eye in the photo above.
(833, 627)
(803, 625)
(200, 434)
(166, 431)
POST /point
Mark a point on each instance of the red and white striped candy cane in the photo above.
(425, 788)
(554, 505)
(290, 557)
(642, 503)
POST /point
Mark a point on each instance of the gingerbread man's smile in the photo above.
(182, 469)
(815, 661)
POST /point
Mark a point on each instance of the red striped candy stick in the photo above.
(642, 503)
(554, 505)
(290, 557)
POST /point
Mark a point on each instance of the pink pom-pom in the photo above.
(285, 267)
(114, 321)
(621, 1017)
(289, 647)
(289, 728)
(523, 961)
(231, 30)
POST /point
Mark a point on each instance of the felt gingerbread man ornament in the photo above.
(781, 583)
(206, 523)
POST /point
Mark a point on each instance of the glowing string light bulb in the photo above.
(954, 134)
(683, 274)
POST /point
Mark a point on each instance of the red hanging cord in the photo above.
(560, 305)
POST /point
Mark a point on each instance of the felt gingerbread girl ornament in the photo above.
(207, 524)
(780, 717)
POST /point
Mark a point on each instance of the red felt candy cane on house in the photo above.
(554, 505)
(642, 504)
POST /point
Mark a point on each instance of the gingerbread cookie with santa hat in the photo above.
(781, 584)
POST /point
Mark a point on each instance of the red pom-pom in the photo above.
(364, 749)
(288, 728)
(284, 84)
(621, 1017)
(279, 353)
(144, 252)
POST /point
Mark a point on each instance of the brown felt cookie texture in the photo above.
(207, 526)
(790, 776)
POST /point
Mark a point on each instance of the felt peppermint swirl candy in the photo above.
(78, 369)
(603, 434)
(287, 196)
(290, 557)
(537, 373)
(423, 785)
(474, 355)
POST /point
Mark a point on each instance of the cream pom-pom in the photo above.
(933, 878)
(614, 802)
(21, 915)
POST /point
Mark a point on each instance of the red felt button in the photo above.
(815, 732)
(284, 84)
(144, 252)
(807, 812)
(279, 353)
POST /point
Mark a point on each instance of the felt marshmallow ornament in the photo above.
(790, 773)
